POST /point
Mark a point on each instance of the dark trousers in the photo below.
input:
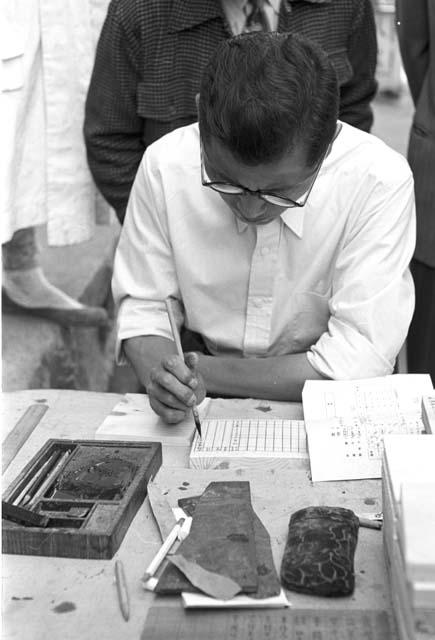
(421, 336)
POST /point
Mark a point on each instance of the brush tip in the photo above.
(197, 422)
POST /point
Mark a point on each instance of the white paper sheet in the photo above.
(346, 422)
(133, 419)
(200, 601)
(408, 459)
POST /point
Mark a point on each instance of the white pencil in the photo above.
(163, 551)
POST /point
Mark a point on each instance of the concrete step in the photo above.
(38, 353)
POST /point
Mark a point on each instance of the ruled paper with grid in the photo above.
(248, 438)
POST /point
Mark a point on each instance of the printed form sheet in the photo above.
(346, 422)
(248, 438)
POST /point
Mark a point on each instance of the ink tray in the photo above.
(84, 493)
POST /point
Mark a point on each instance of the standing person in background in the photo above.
(416, 28)
(47, 54)
(151, 55)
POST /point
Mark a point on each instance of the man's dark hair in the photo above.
(263, 94)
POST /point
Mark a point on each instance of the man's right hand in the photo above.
(175, 386)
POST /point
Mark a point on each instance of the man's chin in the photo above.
(255, 221)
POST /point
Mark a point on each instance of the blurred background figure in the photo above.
(151, 55)
(47, 56)
(416, 29)
(389, 68)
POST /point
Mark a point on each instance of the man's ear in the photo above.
(197, 101)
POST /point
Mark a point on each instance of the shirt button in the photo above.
(264, 251)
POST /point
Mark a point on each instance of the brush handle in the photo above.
(176, 336)
(31, 487)
(174, 328)
(49, 479)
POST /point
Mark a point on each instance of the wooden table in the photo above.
(56, 598)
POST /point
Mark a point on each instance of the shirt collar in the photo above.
(241, 3)
(275, 4)
(293, 218)
(186, 14)
(311, 1)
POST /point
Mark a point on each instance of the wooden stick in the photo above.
(176, 337)
(163, 551)
(21, 431)
(26, 494)
(121, 588)
(23, 516)
(49, 479)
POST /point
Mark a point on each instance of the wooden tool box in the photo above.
(90, 502)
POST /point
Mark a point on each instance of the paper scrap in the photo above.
(201, 601)
(268, 581)
(212, 584)
(162, 512)
(221, 539)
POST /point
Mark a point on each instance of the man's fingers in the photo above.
(191, 359)
(168, 414)
(165, 397)
(164, 381)
(176, 365)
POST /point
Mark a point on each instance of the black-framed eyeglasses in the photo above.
(227, 188)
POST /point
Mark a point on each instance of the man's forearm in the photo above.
(274, 378)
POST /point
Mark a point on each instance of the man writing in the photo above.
(284, 235)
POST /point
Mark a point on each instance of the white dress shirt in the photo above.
(330, 279)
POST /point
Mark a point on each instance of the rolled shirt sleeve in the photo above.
(144, 272)
(373, 293)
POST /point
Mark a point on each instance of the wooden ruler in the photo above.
(284, 624)
(19, 434)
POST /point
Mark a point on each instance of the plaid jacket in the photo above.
(148, 67)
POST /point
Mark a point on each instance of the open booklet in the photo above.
(346, 421)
